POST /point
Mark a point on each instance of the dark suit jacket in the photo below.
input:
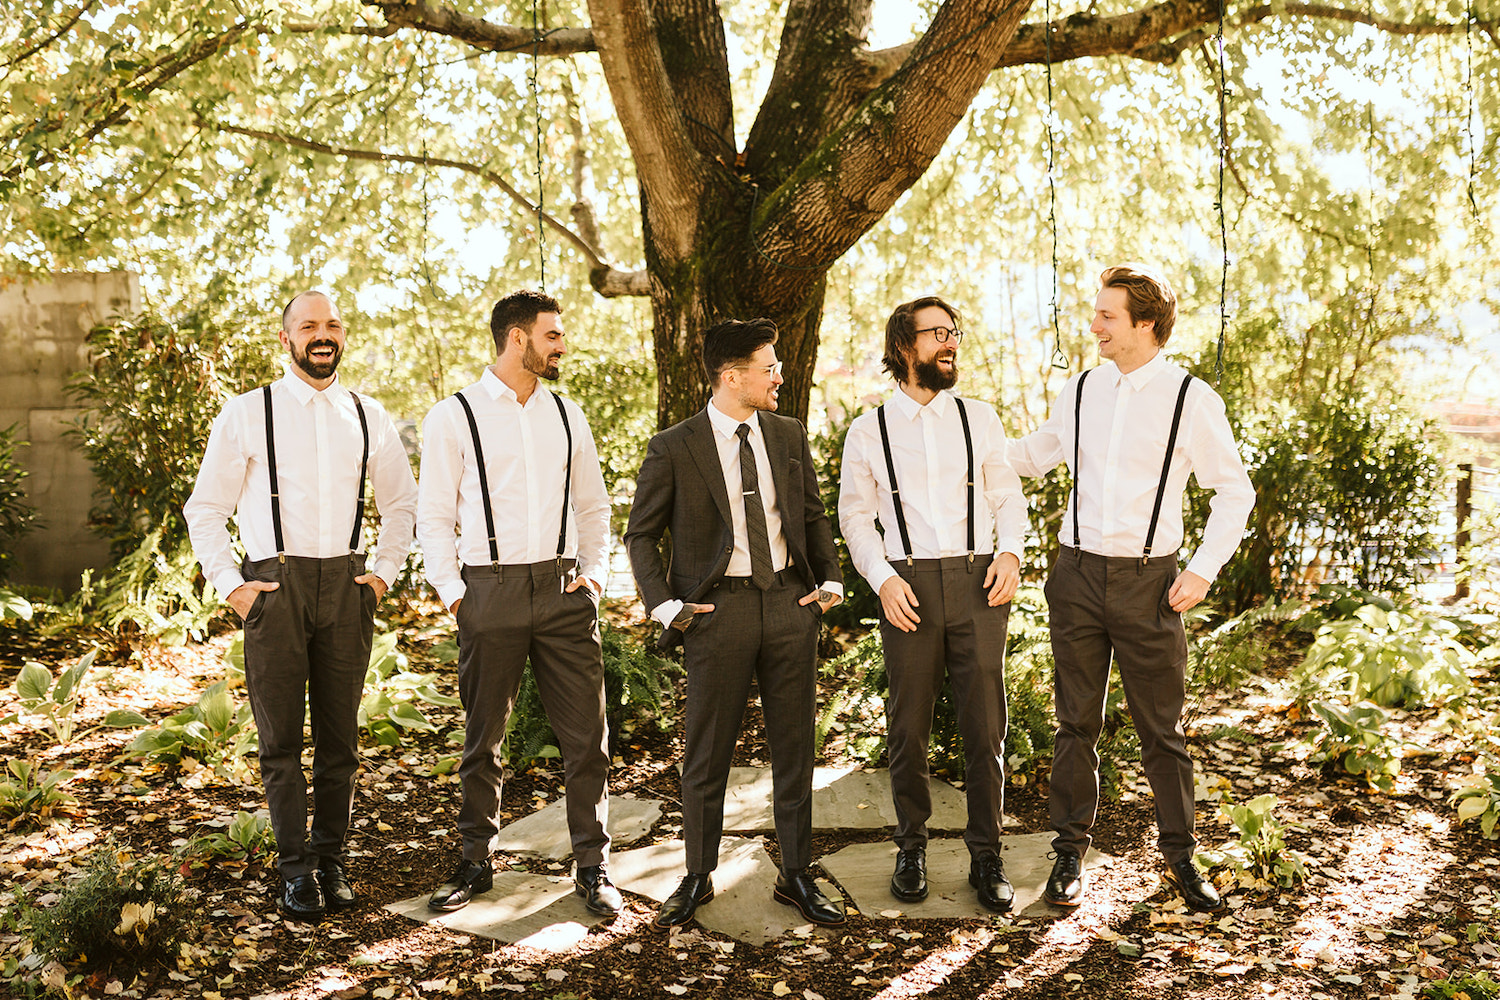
(681, 491)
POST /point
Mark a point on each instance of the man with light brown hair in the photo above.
(1131, 438)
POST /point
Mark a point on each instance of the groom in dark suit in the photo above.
(752, 570)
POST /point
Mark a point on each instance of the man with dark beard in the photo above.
(291, 458)
(931, 467)
(514, 468)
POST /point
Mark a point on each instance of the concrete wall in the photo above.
(43, 326)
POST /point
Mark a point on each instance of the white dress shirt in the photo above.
(927, 447)
(726, 439)
(1125, 422)
(525, 460)
(318, 444)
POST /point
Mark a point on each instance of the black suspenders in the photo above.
(890, 470)
(484, 482)
(364, 468)
(1166, 462)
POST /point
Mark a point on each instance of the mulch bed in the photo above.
(1396, 892)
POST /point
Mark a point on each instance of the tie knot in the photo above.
(742, 432)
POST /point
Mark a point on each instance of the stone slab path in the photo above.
(542, 911)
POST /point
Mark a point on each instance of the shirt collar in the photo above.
(497, 389)
(304, 393)
(911, 409)
(725, 426)
(1142, 376)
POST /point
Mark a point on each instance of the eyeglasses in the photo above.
(770, 370)
(942, 333)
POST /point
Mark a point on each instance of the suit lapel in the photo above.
(705, 452)
(779, 452)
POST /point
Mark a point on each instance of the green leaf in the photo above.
(72, 676)
(1474, 805)
(33, 682)
(217, 708)
(125, 718)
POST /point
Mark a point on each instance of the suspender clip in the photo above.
(281, 557)
(495, 567)
(970, 566)
(908, 560)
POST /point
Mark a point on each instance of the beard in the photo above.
(932, 378)
(533, 362)
(318, 369)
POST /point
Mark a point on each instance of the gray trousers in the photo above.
(505, 618)
(1100, 605)
(307, 647)
(769, 637)
(962, 637)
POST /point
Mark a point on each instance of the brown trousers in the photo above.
(505, 618)
(961, 636)
(1098, 606)
(770, 638)
(307, 647)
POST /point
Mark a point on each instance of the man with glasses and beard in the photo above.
(931, 468)
(751, 572)
(513, 467)
(291, 460)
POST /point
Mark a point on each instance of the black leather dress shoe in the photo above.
(801, 890)
(1065, 884)
(303, 899)
(987, 874)
(467, 880)
(692, 892)
(909, 883)
(599, 895)
(1197, 892)
(338, 894)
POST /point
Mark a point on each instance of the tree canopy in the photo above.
(696, 160)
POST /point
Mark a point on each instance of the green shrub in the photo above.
(151, 398)
(30, 794)
(1388, 656)
(241, 839)
(17, 515)
(1478, 798)
(14, 606)
(1260, 849)
(151, 592)
(638, 688)
(55, 703)
(1464, 986)
(1353, 741)
(389, 703)
(1349, 489)
(1240, 647)
(212, 731)
(123, 914)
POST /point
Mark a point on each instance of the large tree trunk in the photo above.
(727, 279)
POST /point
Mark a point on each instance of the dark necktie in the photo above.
(761, 573)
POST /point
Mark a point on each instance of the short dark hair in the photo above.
(1148, 297)
(519, 308)
(286, 310)
(733, 342)
(901, 333)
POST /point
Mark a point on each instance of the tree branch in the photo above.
(62, 30)
(144, 83)
(476, 31)
(1159, 33)
(667, 162)
(619, 282)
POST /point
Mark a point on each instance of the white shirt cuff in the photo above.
(665, 612)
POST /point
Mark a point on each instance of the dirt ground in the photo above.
(1398, 894)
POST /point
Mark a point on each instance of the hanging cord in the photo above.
(426, 169)
(1219, 204)
(536, 105)
(1469, 90)
(1059, 359)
